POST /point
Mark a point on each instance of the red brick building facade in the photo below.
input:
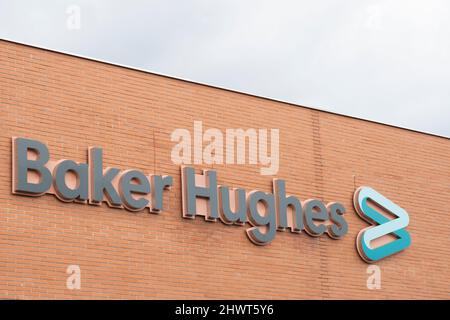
(71, 103)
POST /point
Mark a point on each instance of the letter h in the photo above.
(190, 193)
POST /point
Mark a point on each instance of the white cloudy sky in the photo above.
(384, 60)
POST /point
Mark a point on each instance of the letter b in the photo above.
(21, 166)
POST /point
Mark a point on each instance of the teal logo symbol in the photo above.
(373, 243)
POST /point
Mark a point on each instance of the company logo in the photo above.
(35, 174)
(375, 243)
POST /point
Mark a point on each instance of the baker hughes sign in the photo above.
(35, 174)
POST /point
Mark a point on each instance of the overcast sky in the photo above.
(385, 60)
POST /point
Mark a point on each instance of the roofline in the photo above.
(220, 88)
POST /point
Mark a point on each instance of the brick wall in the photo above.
(71, 103)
